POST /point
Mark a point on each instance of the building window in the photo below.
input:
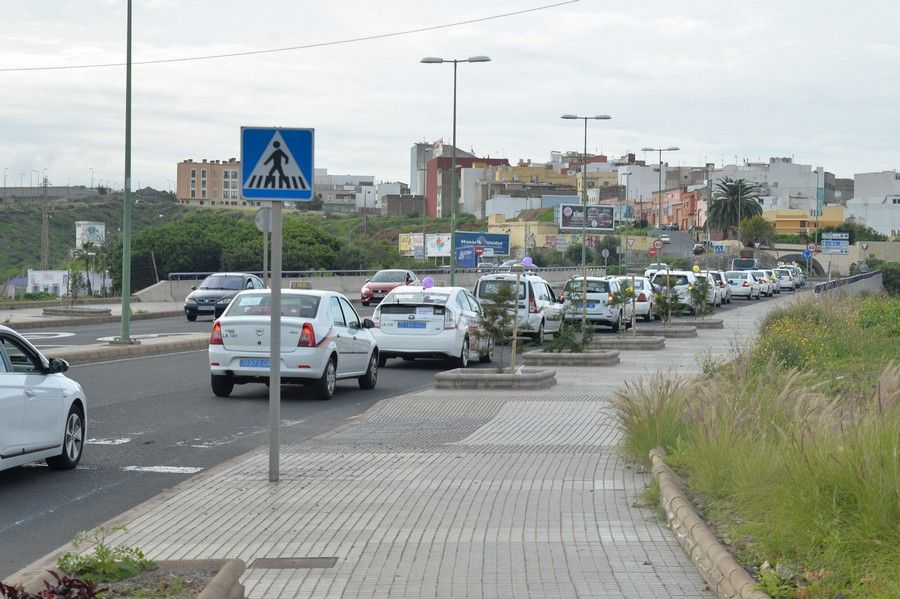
(203, 174)
(193, 184)
(203, 194)
(203, 183)
(193, 193)
(193, 173)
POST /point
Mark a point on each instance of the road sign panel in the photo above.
(263, 220)
(836, 251)
(811, 247)
(658, 243)
(864, 246)
(605, 253)
(807, 254)
(631, 243)
(652, 251)
(720, 249)
(836, 235)
(277, 164)
(834, 243)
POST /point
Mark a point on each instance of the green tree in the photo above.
(85, 253)
(756, 230)
(723, 213)
(497, 317)
(856, 232)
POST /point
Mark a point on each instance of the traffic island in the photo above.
(671, 331)
(523, 378)
(629, 343)
(589, 358)
(77, 311)
(701, 323)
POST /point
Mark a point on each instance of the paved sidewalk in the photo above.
(28, 318)
(450, 494)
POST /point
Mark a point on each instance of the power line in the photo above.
(353, 40)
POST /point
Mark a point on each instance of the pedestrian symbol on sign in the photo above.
(284, 172)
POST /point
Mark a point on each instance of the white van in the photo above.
(539, 311)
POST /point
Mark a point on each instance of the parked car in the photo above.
(773, 280)
(538, 310)
(216, 292)
(681, 282)
(508, 264)
(655, 268)
(785, 278)
(643, 291)
(765, 285)
(699, 249)
(722, 282)
(323, 339)
(597, 306)
(744, 264)
(42, 411)
(743, 284)
(665, 238)
(438, 322)
(383, 281)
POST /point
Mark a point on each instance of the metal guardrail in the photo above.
(302, 274)
(820, 287)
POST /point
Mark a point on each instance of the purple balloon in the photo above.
(527, 261)
(427, 283)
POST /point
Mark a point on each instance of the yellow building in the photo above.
(534, 232)
(794, 222)
(526, 173)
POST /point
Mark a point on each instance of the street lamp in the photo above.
(455, 61)
(92, 176)
(659, 199)
(572, 117)
(32, 178)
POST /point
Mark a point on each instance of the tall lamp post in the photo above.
(572, 117)
(659, 199)
(453, 201)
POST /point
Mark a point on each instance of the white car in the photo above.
(785, 278)
(42, 412)
(538, 309)
(322, 340)
(765, 284)
(773, 279)
(722, 282)
(743, 284)
(438, 322)
(597, 308)
(643, 291)
(655, 268)
(681, 281)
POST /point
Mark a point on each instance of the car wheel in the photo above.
(463, 360)
(487, 357)
(617, 324)
(649, 315)
(191, 317)
(539, 337)
(221, 385)
(364, 303)
(325, 385)
(382, 360)
(73, 442)
(368, 380)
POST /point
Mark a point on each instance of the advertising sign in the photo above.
(89, 231)
(599, 218)
(498, 242)
(438, 245)
(465, 257)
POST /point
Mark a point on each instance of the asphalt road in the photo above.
(152, 423)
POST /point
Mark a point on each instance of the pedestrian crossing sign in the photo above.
(277, 164)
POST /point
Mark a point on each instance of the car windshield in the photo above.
(758, 274)
(743, 262)
(489, 288)
(637, 284)
(736, 275)
(783, 272)
(389, 276)
(673, 280)
(257, 304)
(592, 286)
(421, 297)
(222, 282)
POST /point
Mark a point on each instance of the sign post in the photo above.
(276, 165)
(263, 222)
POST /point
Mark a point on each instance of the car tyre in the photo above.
(222, 386)
(382, 360)
(73, 442)
(617, 324)
(539, 337)
(649, 315)
(191, 317)
(325, 385)
(368, 380)
(463, 360)
(488, 356)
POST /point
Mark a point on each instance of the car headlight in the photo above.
(190, 300)
(224, 300)
(363, 290)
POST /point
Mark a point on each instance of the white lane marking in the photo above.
(198, 443)
(145, 336)
(163, 469)
(121, 441)
(46, 335)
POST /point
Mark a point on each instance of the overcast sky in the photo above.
(818, 80)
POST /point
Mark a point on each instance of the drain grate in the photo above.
(293, 563)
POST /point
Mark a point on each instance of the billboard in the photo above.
(599, 218)
(89, 231)
(497, 243)
(438, 245)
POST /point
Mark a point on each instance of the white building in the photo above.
(510, 206)
(640, 181)
(340, 192)
(469, 190)
(785, 185)
(876, 201)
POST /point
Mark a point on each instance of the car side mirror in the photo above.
(354, 325)
(368, 323)
(56, 365)
(193, 288)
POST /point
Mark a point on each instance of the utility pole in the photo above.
(45, 230)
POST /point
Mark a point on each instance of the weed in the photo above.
(106, 563)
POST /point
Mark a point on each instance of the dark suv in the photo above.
(216, 292)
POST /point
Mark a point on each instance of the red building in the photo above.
(437, 179)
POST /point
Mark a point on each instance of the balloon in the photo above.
(696, 268)
(527, 261)
(427, 283)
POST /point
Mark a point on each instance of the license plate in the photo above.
(589, 306)
(255, 362)
(410, 325)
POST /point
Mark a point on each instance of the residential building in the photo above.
(340, 193)
(420, 155)
(397, 205)
(785, 185)
(210, 183)
(794, 222)
(510, 206)
(843, 190)
(876, 201)
(52, 193)
(678, 207)
(438, 181)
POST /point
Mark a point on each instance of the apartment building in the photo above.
(210, 183)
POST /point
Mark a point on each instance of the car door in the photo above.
(12, 410)
(343, 340)
(42, 412)
(551, 309)
(362, 341)
(477, 336)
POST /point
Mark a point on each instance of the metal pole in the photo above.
(659, 199)
(126, 216)
(453, 189)
(266, 252)
(515, 330)
(275, 346)
(584, 233)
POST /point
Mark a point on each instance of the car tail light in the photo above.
(746, 284)
(561, 296)
(642, 297)
(611, 297)
(532, 305)
(307, 336)
(215, 338)
(376, 318)
(449, 320)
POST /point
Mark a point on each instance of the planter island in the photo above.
(600, 357)
(523, 378)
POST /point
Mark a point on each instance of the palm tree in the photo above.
(87, 251)
(724, 213)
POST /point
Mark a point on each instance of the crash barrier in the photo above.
(870, 282)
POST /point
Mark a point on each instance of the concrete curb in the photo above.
(701, 323)
(638, 343)
(25, 304)
(57, 321)
(592, 358)
(87, 354)
(725, 577)
(473, 379)
(667, 331)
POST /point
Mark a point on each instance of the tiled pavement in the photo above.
(451, 494)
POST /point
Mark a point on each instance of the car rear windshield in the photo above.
(736, 275)
(743, 263)
(489, 287)
(758, 274)
(222, 282)
(389, 276)
(783, 272)
(673, 280)
(637, 284)
(257, 304)
(592, 286)
(423, 298)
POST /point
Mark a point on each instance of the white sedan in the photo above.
(322, 340)
(42, 412)
(437, 322)
(643, 296)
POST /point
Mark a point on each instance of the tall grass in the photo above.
(794, 456)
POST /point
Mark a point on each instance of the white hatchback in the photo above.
(538, 311)
(438, 322)
(598, 294)
(643, 296)
(42, 412)
(322, 340)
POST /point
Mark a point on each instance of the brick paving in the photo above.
(445, 494)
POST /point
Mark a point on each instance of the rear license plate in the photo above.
(255, 362)
(411, 325)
